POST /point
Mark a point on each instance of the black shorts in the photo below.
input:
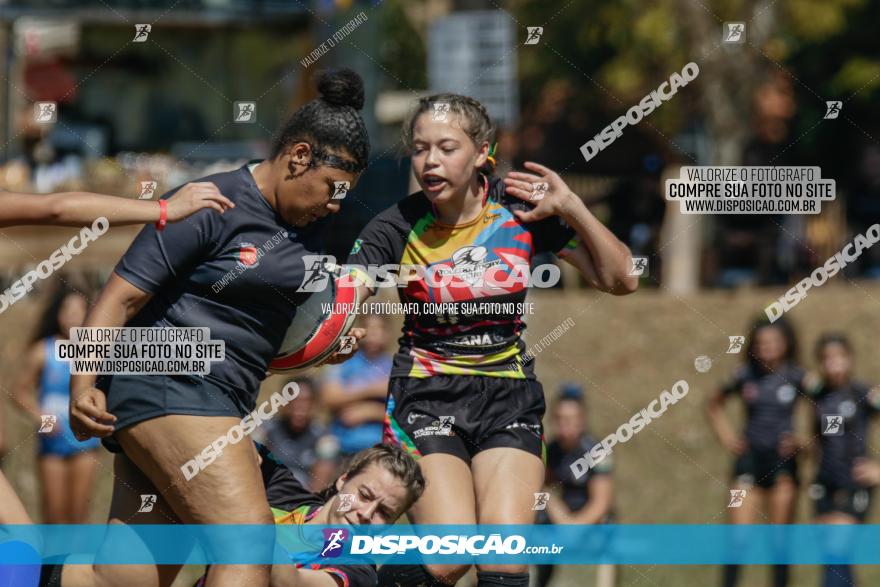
(135, 398)
(829, 499)
(462, 415)
(763, 467)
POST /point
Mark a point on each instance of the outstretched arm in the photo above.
(79, 208)
(601, 258)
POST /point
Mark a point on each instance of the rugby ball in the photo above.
(320, 324)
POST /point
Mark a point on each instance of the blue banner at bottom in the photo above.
(406, 544)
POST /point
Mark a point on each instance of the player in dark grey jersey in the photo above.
(768, 383)
(846, 476)
(170, 278)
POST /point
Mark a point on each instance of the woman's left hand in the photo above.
(544, 189)
(344, 354)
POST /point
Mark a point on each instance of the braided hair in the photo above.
(476, 122)
(330, 122)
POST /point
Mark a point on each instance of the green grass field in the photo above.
(624, 351)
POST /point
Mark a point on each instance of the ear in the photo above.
(482, 155)
(300, 153)
(341, 481)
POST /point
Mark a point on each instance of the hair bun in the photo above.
(342, 87)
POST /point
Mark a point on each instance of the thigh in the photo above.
(782, 497)
(81, 470)
(54, 488)
(449, 492)
(505, 483)
(748, 496)
(448, 499)
(229, 490)
(131, 491)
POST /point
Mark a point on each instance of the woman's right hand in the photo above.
(735, 444)
(89, 417)
(193, 197)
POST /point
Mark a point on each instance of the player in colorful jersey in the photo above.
(463, 397)
(843, 408)
(383, 482)
(766, 454)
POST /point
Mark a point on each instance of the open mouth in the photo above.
(434, 183)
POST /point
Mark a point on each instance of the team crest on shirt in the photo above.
(247, 255)
(785, 394)
(847, 408)
(469, 264)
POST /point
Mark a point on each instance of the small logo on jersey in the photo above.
(148, 188)
(317, 273)
(533, 34)
(533, 428)
(47, 423)
(413, 416)
(541, 500)
(141, 32)
(469, 265)
(639, 267)
(539, 190)
(245, 112)
(737, 497)
(356, 247)
(446, 423)
(147, 503)
(736, 344)
(345, 502)
(45, 112)
(832, 109)
(333, 542)
(340, 190)
(346, 345)
(786, 393)
(833, 425)
(247, 254)
(440, 111)
(847, 409)
(734, 32)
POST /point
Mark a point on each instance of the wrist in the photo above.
(570, 207)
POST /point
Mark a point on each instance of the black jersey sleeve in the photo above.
(734, 384)
(283, 491)
(552, 235)
(157, 257)
(381, 242)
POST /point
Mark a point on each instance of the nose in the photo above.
(431, 157)
(365, 514)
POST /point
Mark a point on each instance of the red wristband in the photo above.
(163, 215)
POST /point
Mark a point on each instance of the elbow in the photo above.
(56, 209)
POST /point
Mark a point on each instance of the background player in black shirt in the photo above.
(168, 279)
(587, 499)
(769, 383)
(846, 476)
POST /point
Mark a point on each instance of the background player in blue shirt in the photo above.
(355, 391)
(66, 466)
